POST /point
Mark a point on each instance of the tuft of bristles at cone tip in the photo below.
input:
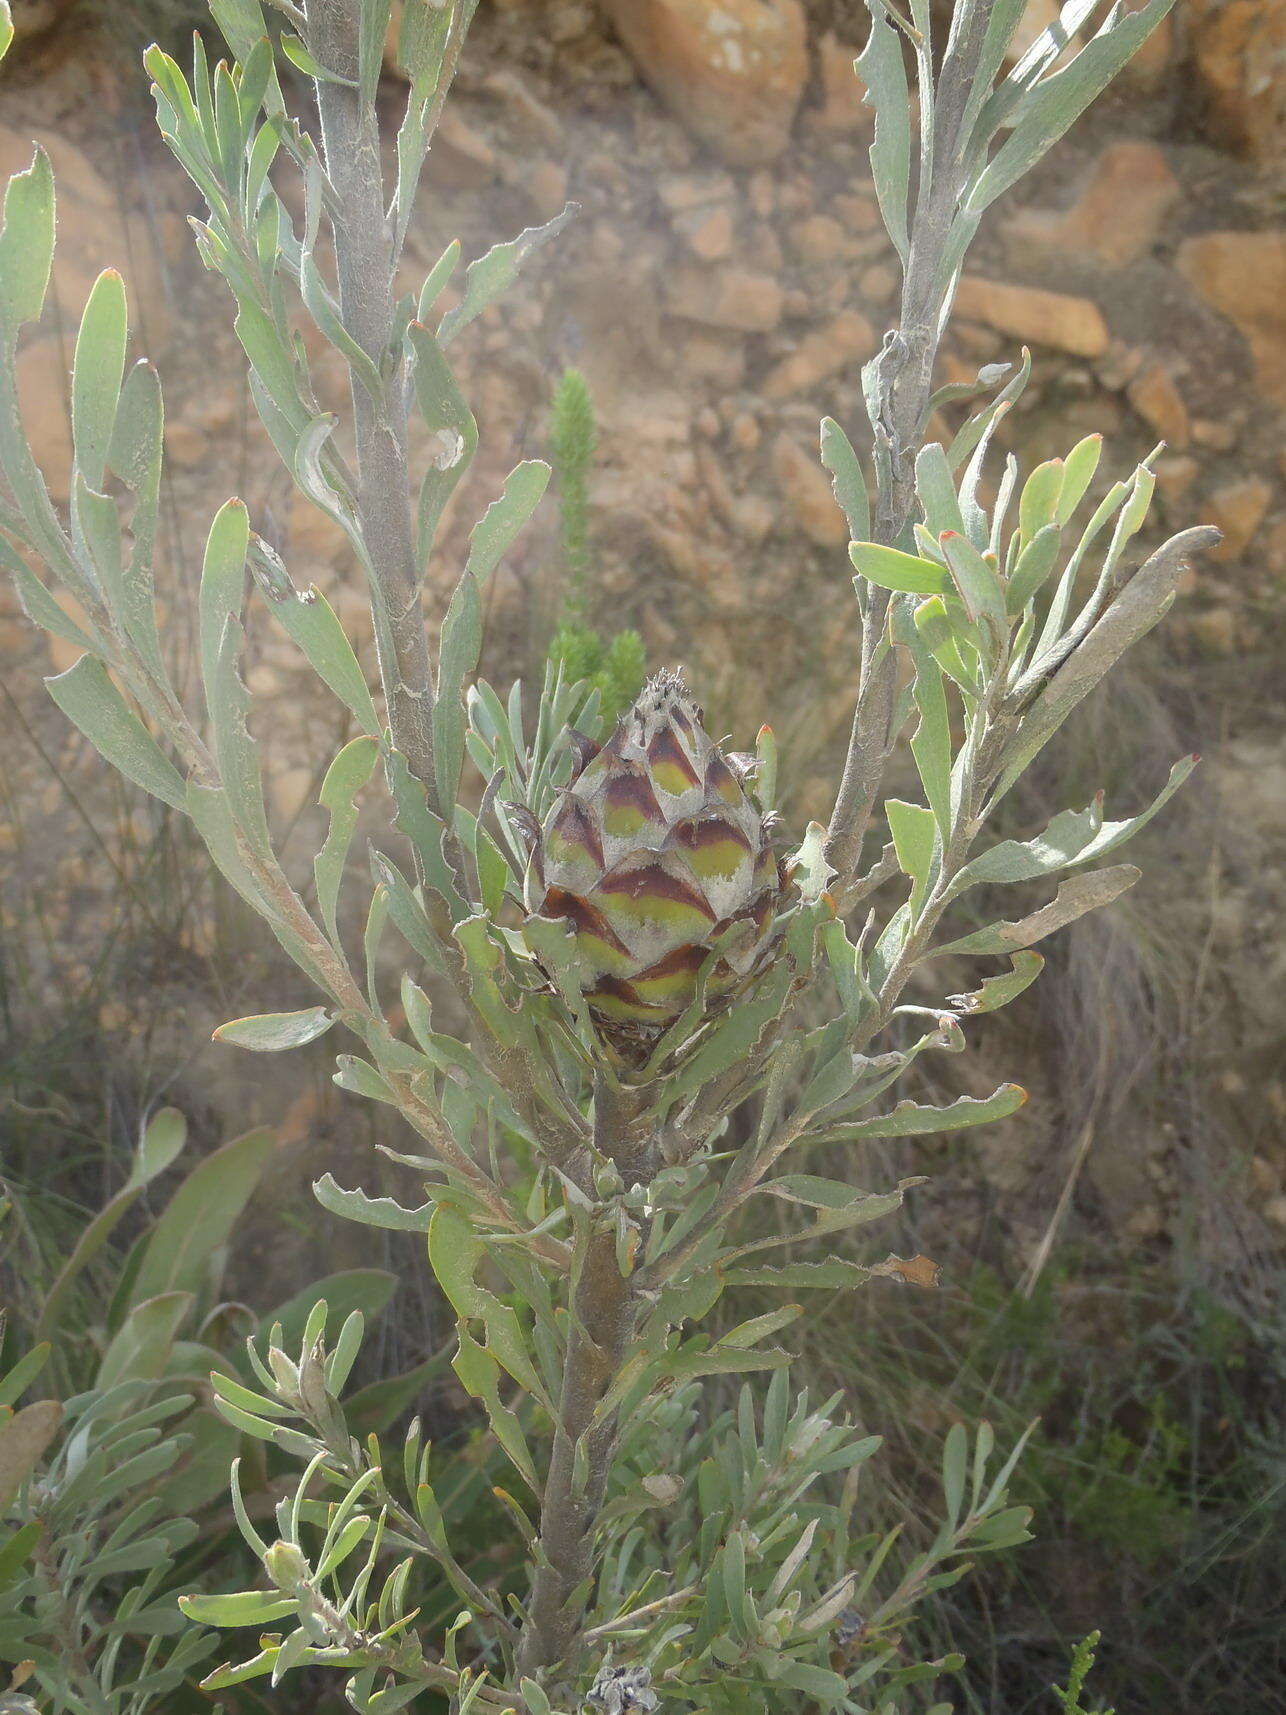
(654, 852)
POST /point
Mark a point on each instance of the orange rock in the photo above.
(1238, 508)
(709, 233)
(1029, 313)
(41, 374)
(819, 238)
(1243, 276)
(726, 298)
(1238, 47)
(1158, 401)
(806, 491)
(732, 71)
(848, 338)
(1119, 212)
(843, 111)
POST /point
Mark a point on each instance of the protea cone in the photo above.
(657, 854)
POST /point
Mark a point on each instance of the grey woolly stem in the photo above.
(604, 1309)
(905, 370)
(365, 262)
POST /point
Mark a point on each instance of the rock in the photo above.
(1030, 313)
(1238, 508)
(732, 71)
(41, 373)
(1238, 47)
(461, 157)
(1118, 214)
(1243, 276)
(806, 490)
(1158, 401)
(819, 238)
(709, 232)
(726, 298)
(684, 192)
(848, 338)
(843, 111)
(545, 182)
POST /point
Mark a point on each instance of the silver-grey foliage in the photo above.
(582, 1179)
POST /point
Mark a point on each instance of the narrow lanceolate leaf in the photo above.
(86, 695)
(371, 1211)
(461, 647)
(883, 71)
(891, 569)
(494, 273)
(346, 776)
(135, 455)
(1140, 605)
(311, 621)
(914, 830)
(272, 1032)
(97, 372)
(223, 582)
(995, 992)
(201, 1215)
(847, 480)
(1081, 894)
(26, 245)
(1045, 112)
(909, 1119)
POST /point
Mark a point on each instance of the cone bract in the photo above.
(658, 856)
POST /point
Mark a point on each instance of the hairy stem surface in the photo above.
(364, 260)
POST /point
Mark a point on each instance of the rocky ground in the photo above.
(723, 282)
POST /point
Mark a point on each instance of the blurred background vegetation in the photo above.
(1113, 1257)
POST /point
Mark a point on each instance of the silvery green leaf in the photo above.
(26, 245)
(891, 569)
(972, 431)
(135, 455)
(911, 1119)
(461, 646)
(883, 71)
(97, 373)
(936, 491)
(495, 272)
(86, 695)
(915, 838)
(1139, 606)
(272, 1032)
(371, 1211)
(995, 992)
(235, 748)
(223, 582)
(1081, 894)
(309, 618)
(348, 773)
(847, 479)
(1044, 112)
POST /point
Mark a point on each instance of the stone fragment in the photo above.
(806, 491)
(1031, 313)
(1243, 276)
(732, 71)
(847, 339)
(41, 374)
(1238, 49)
(1238, 509)
(1157, 400)
(843, 111)
(709, 233)
(726, 298)
(1118, 214)
(819, 238)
